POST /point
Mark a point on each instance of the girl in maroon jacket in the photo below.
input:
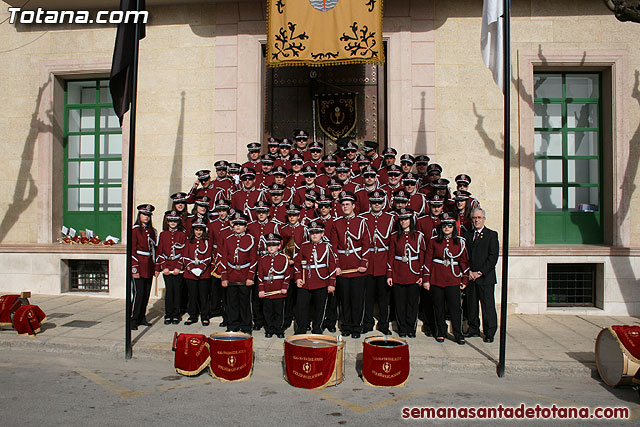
(196, 264)
(315, 274)
(446, 268)
(169, 261)
(274, 273)
(143, 244)
(404, 271)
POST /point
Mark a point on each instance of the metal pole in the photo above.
(506, 80)
(130, 175)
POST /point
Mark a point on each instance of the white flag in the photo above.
(492, 39)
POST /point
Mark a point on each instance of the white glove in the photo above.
(196, 271)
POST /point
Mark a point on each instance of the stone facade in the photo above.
(200, 99)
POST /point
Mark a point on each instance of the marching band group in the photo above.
(295, 235)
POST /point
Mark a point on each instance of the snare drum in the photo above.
(313, 361)
(385, 362)
(616, 364)
(231, 356)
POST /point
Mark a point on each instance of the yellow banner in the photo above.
(324, 32)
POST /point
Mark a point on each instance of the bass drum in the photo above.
(614, 366)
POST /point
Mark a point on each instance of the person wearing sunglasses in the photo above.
(380, 224)
(445, 275)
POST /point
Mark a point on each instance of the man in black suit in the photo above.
(482, 247)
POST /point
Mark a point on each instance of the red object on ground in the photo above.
(192, 353)
(231, 356)
(6, 305)
(629, 337)
(27, 319)
(385, 362)
(309, 367)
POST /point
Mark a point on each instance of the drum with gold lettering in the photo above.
(385, 362)
(231, 356)
(618, 354)
(313, 361)
(192, 353)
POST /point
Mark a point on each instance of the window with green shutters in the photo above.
(568, 153)
(92, 196)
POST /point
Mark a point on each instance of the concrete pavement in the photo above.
(538, 344)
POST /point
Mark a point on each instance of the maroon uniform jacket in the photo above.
(264, 180)
(197, 255)
(464, 224)
(295, 181)
(279, 212)
(319, 165)
(328, 224)
(389, 189)
(260, 229)
(243, 200)
(350, 237)
(211, 191)
(216, 234)
(274, 274)
(323, 179)
(298, 197)
(427, 225)
(143, 246)
(284, 162)
(362, 194)
(418, 203)
(228, 185)
(318, 262)
(306, 154)
(257, 165)
(376, 161)
(406, 258)
(239, 258)
(380, 226)
(446, 262)
(169, 253)
(296, 232)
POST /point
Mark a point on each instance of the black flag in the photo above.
(121, 80)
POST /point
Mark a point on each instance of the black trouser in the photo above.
(331, 313)
(239, 307)
(273, 315)
(199, 291)
(216, 299)
(141, 293)
(485, 295)
(184, 297)
(407, 300)
(452, 296)
(376, 290)
(306, 297)
(290, 303)
(173, 295)
(426, 306)
(256, 305)
(352, 301)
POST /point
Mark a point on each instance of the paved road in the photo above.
(68, 389)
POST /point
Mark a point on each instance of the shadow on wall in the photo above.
(175, 180)
(421, 140)
(23, 197)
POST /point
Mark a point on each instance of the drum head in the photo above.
(609, 358)
(229, 336)
(385, 342)
(310, 340)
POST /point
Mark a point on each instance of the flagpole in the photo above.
(130, 176)
(506, 81)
